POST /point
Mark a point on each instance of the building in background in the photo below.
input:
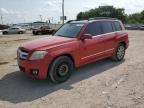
(38, 24)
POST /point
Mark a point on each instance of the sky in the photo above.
(22, 11)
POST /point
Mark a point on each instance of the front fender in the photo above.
(70, 49)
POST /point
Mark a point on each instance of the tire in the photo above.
(120, 52)
(39, 33)
(61, 69)
(4, 33)
(35, 33)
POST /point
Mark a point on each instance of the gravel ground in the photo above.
(104, 84)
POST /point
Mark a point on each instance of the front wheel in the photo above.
(61, 69)
(120, 53)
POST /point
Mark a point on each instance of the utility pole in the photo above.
(41, 18)
(63, 12)
(1, 19)
(52, 20)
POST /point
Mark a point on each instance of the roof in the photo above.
(99, 18)
(92, 19)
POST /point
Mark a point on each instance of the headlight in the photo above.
(38, 55)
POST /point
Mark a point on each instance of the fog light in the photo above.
(35, 72)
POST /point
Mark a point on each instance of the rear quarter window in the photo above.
(117, 26)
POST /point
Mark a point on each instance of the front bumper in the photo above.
(28, 66)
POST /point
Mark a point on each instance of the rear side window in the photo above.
(107, 26)
(117, 26)
(94, 29)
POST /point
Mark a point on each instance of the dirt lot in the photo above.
(104, 84)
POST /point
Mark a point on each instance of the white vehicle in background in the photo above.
(13, 30)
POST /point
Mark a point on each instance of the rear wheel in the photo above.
(20, 32)
(120, 52)
(61, 69)
(4, 33)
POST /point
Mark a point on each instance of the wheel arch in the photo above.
(65, 54)
(124, 43)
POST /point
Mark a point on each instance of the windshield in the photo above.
(69, 30)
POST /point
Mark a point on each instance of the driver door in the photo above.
(12, 30)
(91, 49)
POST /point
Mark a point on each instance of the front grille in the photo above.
(22, 54)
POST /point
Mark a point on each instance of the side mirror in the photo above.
(86, 36)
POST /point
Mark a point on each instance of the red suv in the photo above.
(75, 44)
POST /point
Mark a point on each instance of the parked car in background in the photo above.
(75, 44)
(3, 27)
(142, 27)
(128, 27)
(13, 30)
(43, 30)
(132, 27)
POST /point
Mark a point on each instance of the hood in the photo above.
(43, 43)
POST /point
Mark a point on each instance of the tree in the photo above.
(103, 11)
(136, 18)
(142, 16)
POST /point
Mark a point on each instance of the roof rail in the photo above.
(70, 21)
(97, 18)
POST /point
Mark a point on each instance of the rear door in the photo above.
(17, 30)
(92, 49)
(46, 29)
(117, 28)
(13, 30)
(108, 37)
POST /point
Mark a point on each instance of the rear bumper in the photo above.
(28, 66)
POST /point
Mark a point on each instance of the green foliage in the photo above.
(136, 18)
(110, 11)
(103, 11)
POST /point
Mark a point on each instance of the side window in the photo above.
(113, 26)
(107, 26)
(47, 27)
(12, 28)
(117, 26)
(94, 29)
